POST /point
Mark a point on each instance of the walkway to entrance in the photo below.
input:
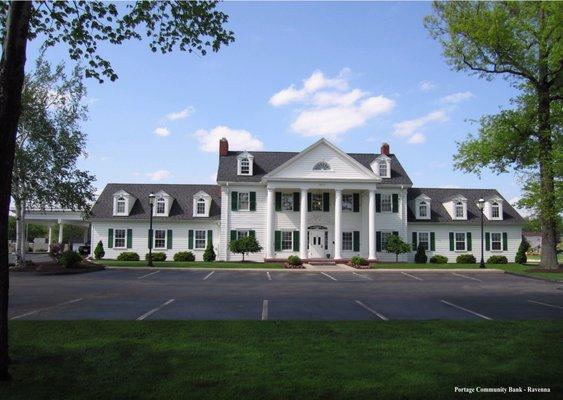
(328, 267)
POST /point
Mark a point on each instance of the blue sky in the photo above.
(356, 73)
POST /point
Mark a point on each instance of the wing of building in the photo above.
(320, 203)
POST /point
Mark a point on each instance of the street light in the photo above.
(151, 204)
(481, 205)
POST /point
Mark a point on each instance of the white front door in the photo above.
(317, 243)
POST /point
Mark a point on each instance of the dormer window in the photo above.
(245, 164)
(383, 168)
(321, 166)
(122, 203)
(495, 210)
(459, 210)
(160, 206)
(200, 208)
(201, 204)
(120, 206)
(423, 209)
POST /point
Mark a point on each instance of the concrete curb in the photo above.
(310, 270)
(537, 278)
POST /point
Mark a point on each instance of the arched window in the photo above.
(423, 209)
(244, 166)
(321, 166)
(120, 207)
(459, 210)
(383, 171)
(160, 205)
(495, 210)
(200, 204)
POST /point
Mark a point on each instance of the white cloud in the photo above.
(161, 131)
(455, 98)
(425, 86)
(331, 108)
(417, 138)
(239, 139)
(185, 113)
(409, 127)
(159, 175)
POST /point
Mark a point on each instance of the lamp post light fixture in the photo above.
(151, 205)
(481, 205)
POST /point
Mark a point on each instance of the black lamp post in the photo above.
(481, 205)
(151, 204)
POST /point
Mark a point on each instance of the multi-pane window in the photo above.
(120, 206)
(383, 168)
(119, 238)
(242, 233)
(160, 206)
(287, 201)
(495, 210)
(384, 238)
(201, 207)
(199, 239)
(423, 209)
(459, 210)
(287, 240)
(347, 241)
(347, 202)
(424, 239)
(244, 201)
(460, 241)
(244, 166)
(321, 166)
(496, 241)
(159, 239)
(316, 202)
(386, 202)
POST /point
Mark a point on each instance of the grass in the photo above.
(527, 270)
(536, 258)
(190, 264)
(279, 360)
(425, 266)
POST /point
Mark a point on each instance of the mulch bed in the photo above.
(52, 268)
(358, 266)
(289, 266)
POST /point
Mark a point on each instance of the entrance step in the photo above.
(321, 261)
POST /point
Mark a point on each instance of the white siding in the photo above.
(390, 221)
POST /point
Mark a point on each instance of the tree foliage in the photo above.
(209, 253)
(521, 257)
(397, 246)
(245, 245)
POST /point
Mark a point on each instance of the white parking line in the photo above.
(362, 276)
(152, 273)
(268, 275)
(467, 310)
(327, 275)
(412, 276)
(545, 304)
(265, 310)
(208, 275)
(151, 312)
(46, 308)
(371, 310)
(466, 277)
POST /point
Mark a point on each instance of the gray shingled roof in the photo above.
(181, 206)
(267, 161)
(441, 195)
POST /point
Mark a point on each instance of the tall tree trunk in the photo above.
(12, 66)
(21, 245)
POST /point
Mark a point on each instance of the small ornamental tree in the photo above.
(420, 256)
(245, 245)
(99, 251)
(209, 253)
(521, 257)
(396, 246)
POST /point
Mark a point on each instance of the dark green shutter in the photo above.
(356, 241)
(326, 240)
(378, 240)
(468, 241)
(395, 233)
(252, 234)
(210, 237)
(309, 207)
(378, 202)
(150, 238)
(278, 201)
(234, 201)
(326, 202)
(295, 240)
(356, 202)
(296, 201)
(504, 241)
(129, 238)
(487, 241)
(110, 238)
(432, 241)
(190, 239)
(277, 241)
(252, 201)
(395, 202)
(414, 241)
(233, 235)
(169, 239)
(452, 241)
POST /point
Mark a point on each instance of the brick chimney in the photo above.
(223, 147)
(385, 149)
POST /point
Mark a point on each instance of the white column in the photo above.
(269, 223)
(371, 226)
(337, 224)
(50, 239)
(303, 253)
(61, 228)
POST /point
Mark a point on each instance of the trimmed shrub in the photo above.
(69, 259)
(159, 256)
(357, 260)
(99, 252)
(466, 259)
(438, 259)
(420, 257)
(497, 260)
(184, 256)
(56, 249)
(209, 253)
(521, 257)
(294, 261)
(128, 256)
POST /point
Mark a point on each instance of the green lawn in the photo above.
(279, 360)
(526, 270)
(189, 264)
(536, 259)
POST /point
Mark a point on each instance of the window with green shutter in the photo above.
(191, 239)
(210, 237)
(252, 233)
(469, 246)
(234, 201)
(432, 241)
(296, 201)
(414, 243)
(356, 240)
(295, 240)
(504, 241)
(129, 238)
(278, 201)
(451, 241)
(233, 235)
(378, 241)
(487, 241)
(309, 202)
(252, 201)
(356, 202)
(277, 241)
(110, 238)
(378, 202)
(169, 239)
(395, 203)
(326, 202)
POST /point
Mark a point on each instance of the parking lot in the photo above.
(125, 294)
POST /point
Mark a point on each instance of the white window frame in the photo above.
(423, 203)
(382, 243)
(244, 164)
(313, 202)
(200, 201)
(385, 165)
(323, 164)
(115, 238)
(155, 239)
(495, 204)
(350, 197)
(427, 241)
(160, 201)
(290, 233)
(287, 196)
(390, 195)
(242, 233)
(464, 241)
(344, 241)
(462, 204)
(248, 201)
(118, 201)
(496, 241)
(196, 231)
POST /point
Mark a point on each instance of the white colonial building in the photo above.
(320, 203)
